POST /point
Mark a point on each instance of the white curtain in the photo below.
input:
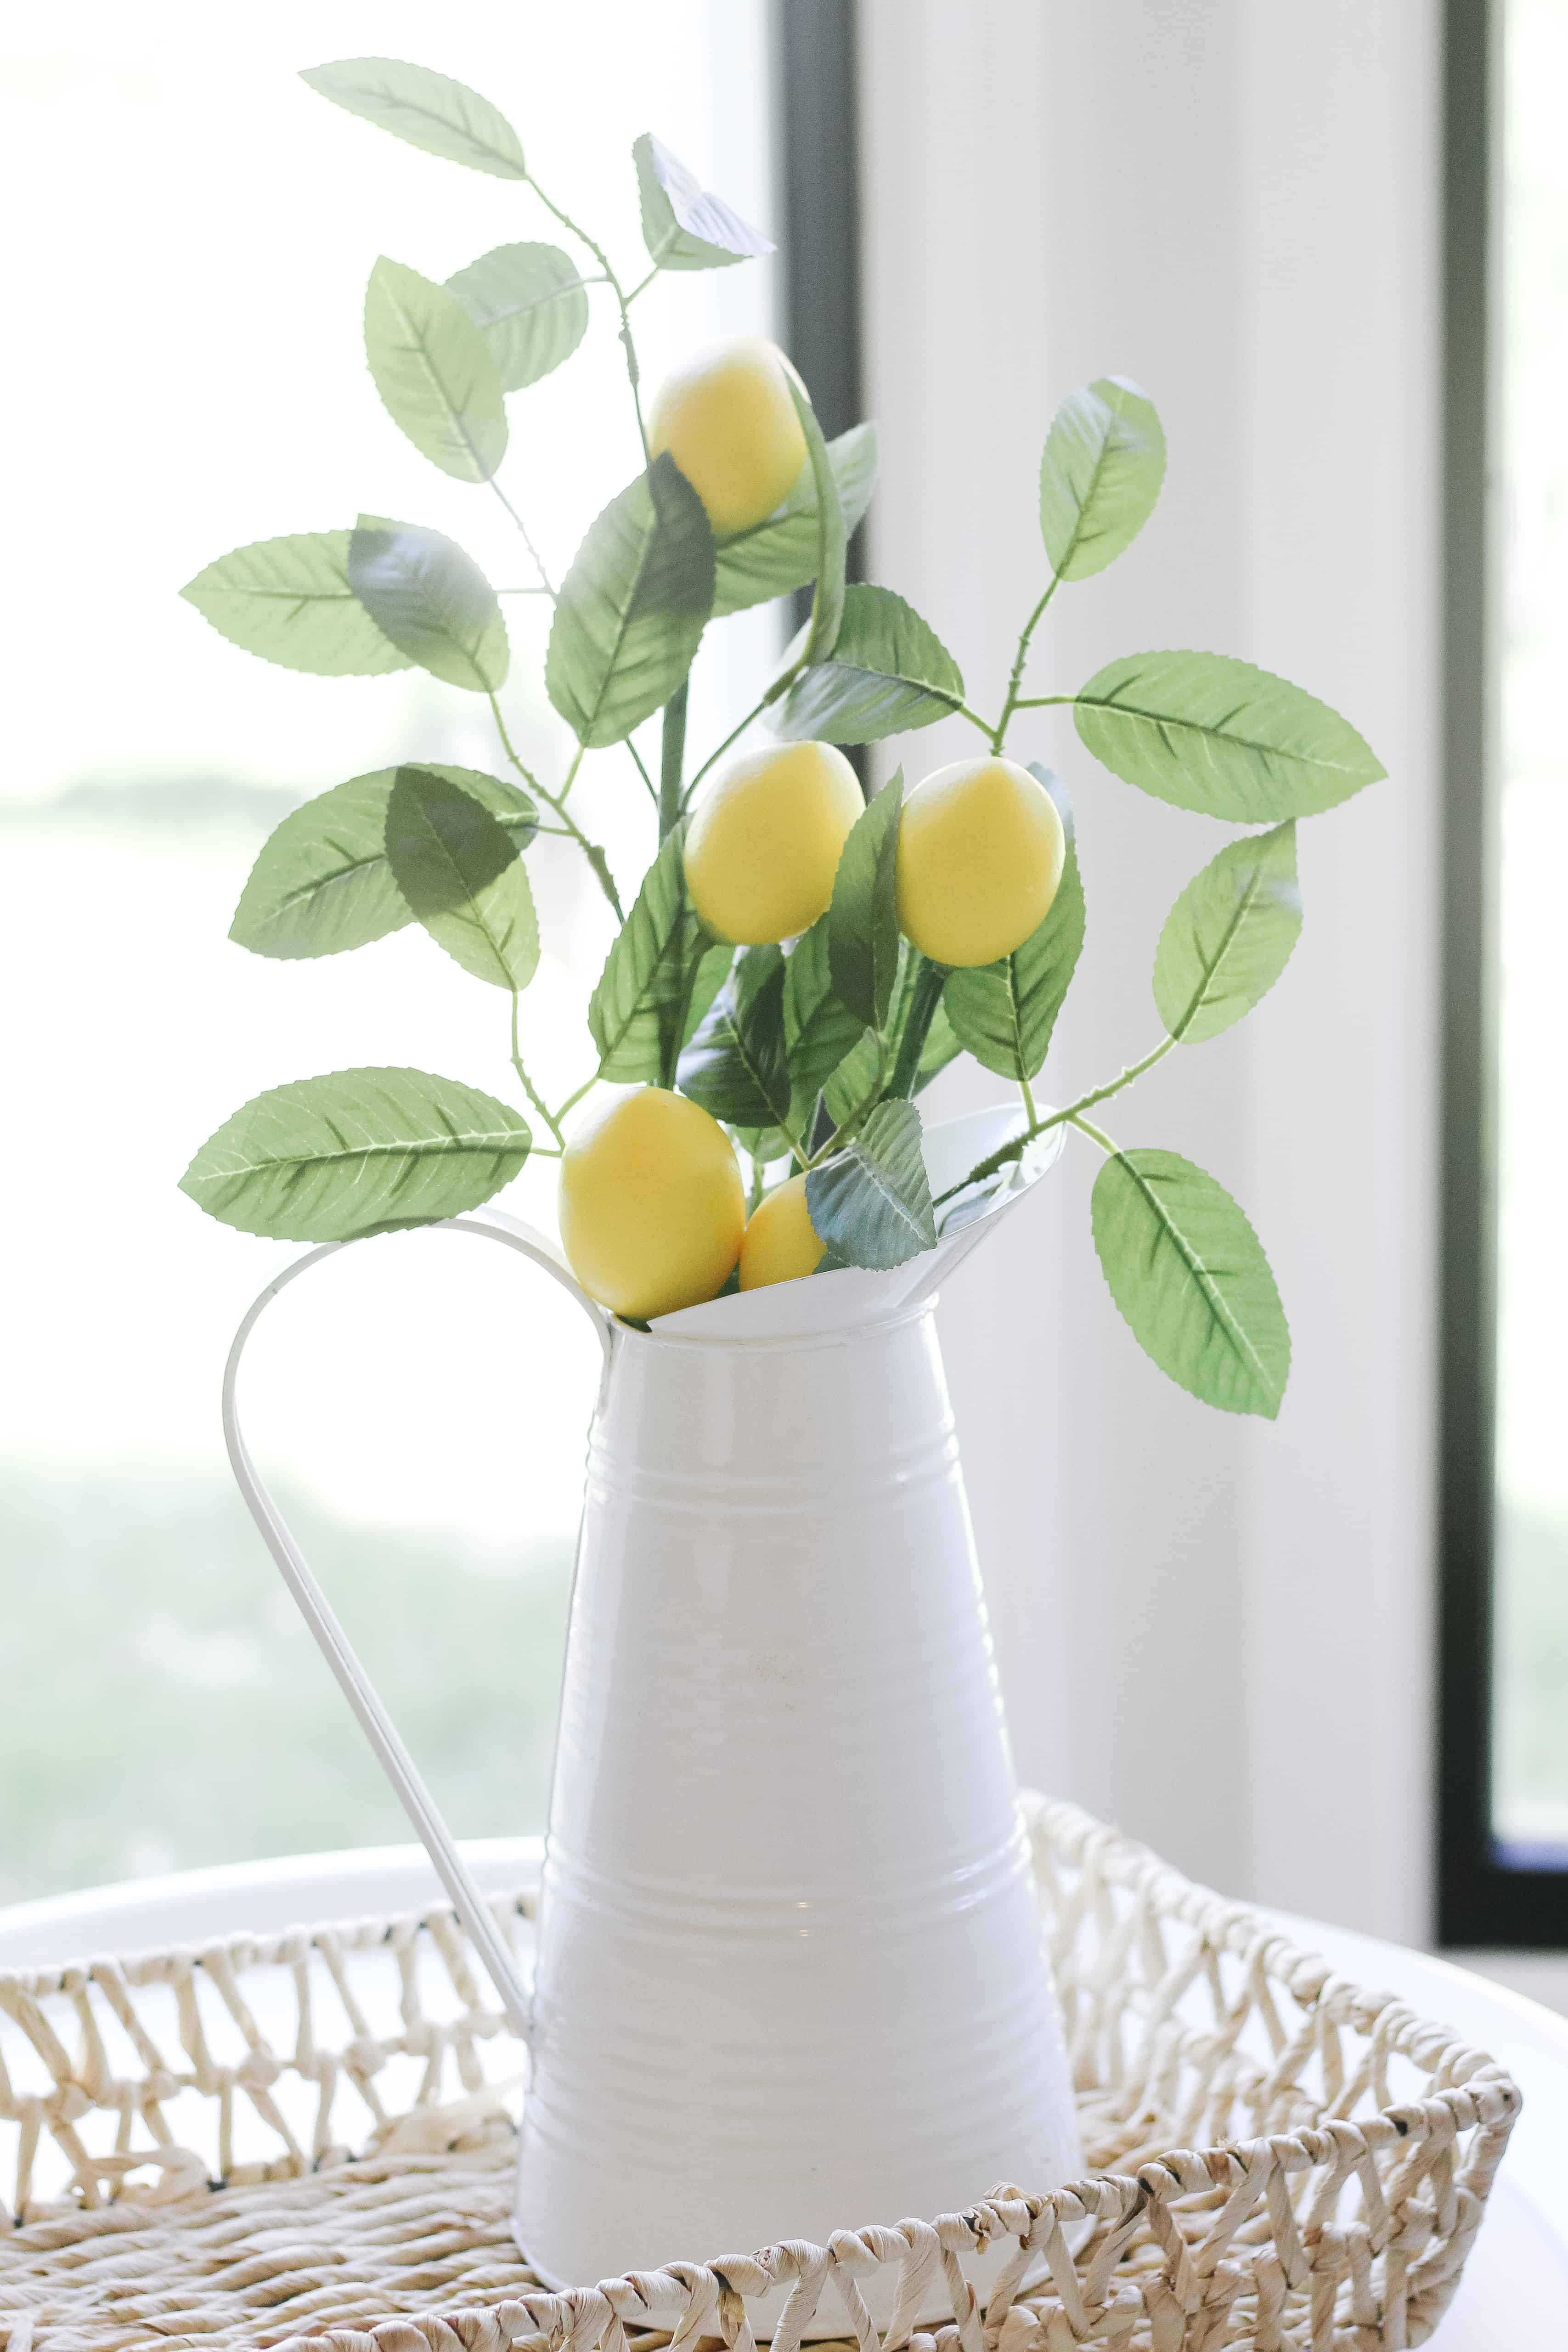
(1218, 1633)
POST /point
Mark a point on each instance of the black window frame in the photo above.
(1491, 1894)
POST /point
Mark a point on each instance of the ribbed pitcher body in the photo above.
(791, 1975)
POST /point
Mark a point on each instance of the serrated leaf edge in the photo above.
(1241, 1347)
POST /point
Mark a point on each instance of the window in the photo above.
(1505, 1791)
(199, 228)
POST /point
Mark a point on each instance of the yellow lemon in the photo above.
(652, 1208)
(727, 421)
(781, 1242)
(762, 847)
(980, 853)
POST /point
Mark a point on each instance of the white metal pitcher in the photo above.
(790, 1974)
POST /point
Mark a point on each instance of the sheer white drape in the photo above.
(1217, 1633)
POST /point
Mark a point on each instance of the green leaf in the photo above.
(326, 1159)
(870, 1203)
(662, 968)
(1229, 935)
(633, 607)
(463, 876)
(863, 920)
(683, 227)
(859, 1079)
(428, 109)
(1206, 733)
(290, 601)
(1005, 1012)
(832, 533)
(1100, 475)
(431, 600)
(737, 1065)
(1189, 1275)
(437, 379)
(819, 1030)
(782, 554)
(765, 1144)
(888, 673)
(710, 959)
(531, 306)
(321, 882)
(942, 1045)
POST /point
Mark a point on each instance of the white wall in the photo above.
(1218, 1631)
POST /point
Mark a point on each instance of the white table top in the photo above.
(1517, 2276)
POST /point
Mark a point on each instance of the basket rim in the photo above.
(1051, 1823)
(1471, 2092)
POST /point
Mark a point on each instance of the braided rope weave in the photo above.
(1278, 2159)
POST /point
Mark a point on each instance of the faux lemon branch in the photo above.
(797, 965)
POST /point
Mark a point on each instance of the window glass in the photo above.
(1530, 1712)
(192, 233)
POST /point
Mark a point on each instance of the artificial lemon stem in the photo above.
(961, 710)
(844, 1132)
(527, 1084)
(622, 299)
(1020, 660)
(572, 1101)
(1071, 1117)
(545, 583)
(590, 849)
(1095, 1135)
(733, 736)
(641, 766)
(1030, 1113)
(672, 760)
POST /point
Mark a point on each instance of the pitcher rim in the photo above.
(837, 1334)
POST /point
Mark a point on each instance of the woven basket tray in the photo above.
(1277, 2157)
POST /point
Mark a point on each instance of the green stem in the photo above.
(785, 679)
(925, 996)
(642, 286)
(734, 735)
(641, 764)
(527, 1084)
(961, 710)
(672, 760)
(572, 1101)
(1044, 701)
(622, 300)
(529, 778)
(1020, 659)
(1096, 1135)
(590, 849)
(1030, 1113)
(843, 1132)
(1071, 1117)
(545, 583)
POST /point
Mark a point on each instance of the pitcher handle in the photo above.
(492, 1225)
